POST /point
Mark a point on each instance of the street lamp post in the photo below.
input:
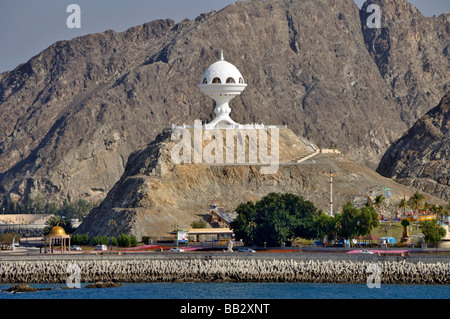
(331, 174)
(331, 192)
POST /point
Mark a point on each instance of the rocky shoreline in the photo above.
(224, 270)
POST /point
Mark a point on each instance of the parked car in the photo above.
(246, 250)
(177, 249)
(365, 251)
(318, 243)
(101, 247)
(75, 247)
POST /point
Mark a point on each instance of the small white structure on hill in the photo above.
(222, 81)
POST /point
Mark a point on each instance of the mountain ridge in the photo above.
(73, 113)
(421, 157)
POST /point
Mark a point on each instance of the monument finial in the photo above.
(221, 55)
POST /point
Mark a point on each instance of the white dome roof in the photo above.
(223, 71)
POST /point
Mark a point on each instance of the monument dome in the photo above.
(222, 72)
(222, 81)
(57, 236)
(57, 231)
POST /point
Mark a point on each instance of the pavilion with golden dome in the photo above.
(57, 237)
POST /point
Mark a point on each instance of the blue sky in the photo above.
(29, 26)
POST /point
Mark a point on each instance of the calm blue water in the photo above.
(237, 291)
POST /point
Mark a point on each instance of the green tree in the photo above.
(367, 221)
(40, 205)
(114, 241)
(379, 200)
(80, 239)
(95, 240)
(201, 223)
(439, 210)
(275, 219)
(402, 203)
(433, 232)
(133, 241)
(348, 221)
(6, 240)
(325, 226)
(246, 214)
(124, 240)
(355, 222)
(416, 201)
(58, 221)
(103, 240)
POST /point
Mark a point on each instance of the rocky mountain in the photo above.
(155, 192)
(421, 157)
(411, 52)
(72, 114)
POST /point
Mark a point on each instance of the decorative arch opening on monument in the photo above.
(205, 81)
(241, 80)
(230, 80)
(216, 80)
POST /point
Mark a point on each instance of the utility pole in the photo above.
(331, 174)
(331, 192)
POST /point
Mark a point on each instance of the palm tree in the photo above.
(416, 202)
(378, 202)
(440, 211)
(403, 204)
(57, 221)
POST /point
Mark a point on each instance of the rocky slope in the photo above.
(421, 158)
(155, 192)
(412, 53)
(72, 114)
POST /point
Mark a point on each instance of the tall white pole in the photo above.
(331, 193)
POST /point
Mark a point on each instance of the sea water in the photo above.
(237, 291)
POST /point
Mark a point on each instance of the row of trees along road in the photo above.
(280, 218)
(417, 202)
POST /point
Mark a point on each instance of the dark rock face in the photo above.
(421, 158)
(72, 114)
(412, 53)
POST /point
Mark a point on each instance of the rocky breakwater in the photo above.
(225, 270)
